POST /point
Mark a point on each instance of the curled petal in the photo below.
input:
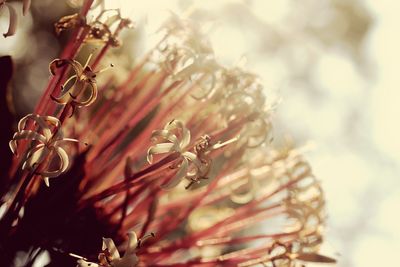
(35, 157)
(30, 135)
(238, 104)
(26, 4)
(59, 63)
(71, 93)
(13, 146)
(64, 162)
(65, 86)
(63, 158)
(92, 97)
(183, 168)
(209, 90)
(132, 243)
(258, 132)
(12, 26)
(108, 244)
(177, 124)
(165, 135)
(238, 196)
(186, 72)
(52, 120)
(64, 99)
(42, 121)
(169, 62)
(159, 149)
(68, 22)
(46, 181)
(196, 162)
(83, 263)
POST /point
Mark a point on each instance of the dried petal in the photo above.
(12, 26)
(41, 121)
(132, 243)
(178, 125)
(48, 148)
(59, 63)
(165, 135)
(92, 96)
(68, 22)
(35, 157)
(177, 136)
(64, 163)
(108, 244)
(83, 263)
(159, 149)
(30, 135)
(183, 168)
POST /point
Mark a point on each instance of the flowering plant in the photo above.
(179, 115)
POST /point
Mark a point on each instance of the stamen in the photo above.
(77, 256)
(88, 60)
(221, 145)
(105, 69)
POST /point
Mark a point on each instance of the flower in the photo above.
(68, 22)
(186, 63)
(186, 54)
(101, 29)
(40, 156)
(281, 254)
(111, 190)
(177, 138)
(110, 257)
(84, 77)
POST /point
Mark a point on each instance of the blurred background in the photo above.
(332, 65)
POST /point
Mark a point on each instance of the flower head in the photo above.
(103, 29)
(113, 191)
(175, 137)
(110, 256)
(49, 140)
(83, 79)
(68, 22)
